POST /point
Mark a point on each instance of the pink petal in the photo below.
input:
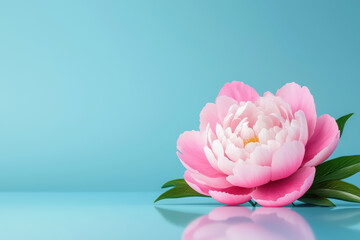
(271, 104)
(298, 129)
(324, 154)
(285, 191)
(202, 184)
(200, 188)
(323, 142)
(215, 113)
(225, 165)
(191, 146)
(218, 148)
(218, 182)
(300, 98)
(223, 104)
(239, 92)
(210, 116)
(262, 155)
(232, 195)
(249, 175)
(211, 158)
(286, 160)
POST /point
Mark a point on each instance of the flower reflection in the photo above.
(241, 223)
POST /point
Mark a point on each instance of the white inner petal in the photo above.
(251, 132)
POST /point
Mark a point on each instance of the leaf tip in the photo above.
(342, 121)
(166, 185)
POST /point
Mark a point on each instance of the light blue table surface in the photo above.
(134, 216)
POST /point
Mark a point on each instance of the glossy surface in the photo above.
(134, 216)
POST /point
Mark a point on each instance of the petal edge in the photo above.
(232, 195)
(285, 191)
(239, 91)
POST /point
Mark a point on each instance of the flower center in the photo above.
(253, 139)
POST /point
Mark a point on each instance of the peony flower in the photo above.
(242, 223)
(265, 148)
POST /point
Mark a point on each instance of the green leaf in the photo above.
(336, 189)
(316, 200)
(174, 183)
(181, 189)
(341, 122)
(252, 203)
(338, 168)
(179, 192)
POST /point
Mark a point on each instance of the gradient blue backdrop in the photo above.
(94, 94)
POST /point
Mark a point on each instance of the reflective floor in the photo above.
(134, 216)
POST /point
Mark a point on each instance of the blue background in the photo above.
(94, 94)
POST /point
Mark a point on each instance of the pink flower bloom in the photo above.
(265, 148)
